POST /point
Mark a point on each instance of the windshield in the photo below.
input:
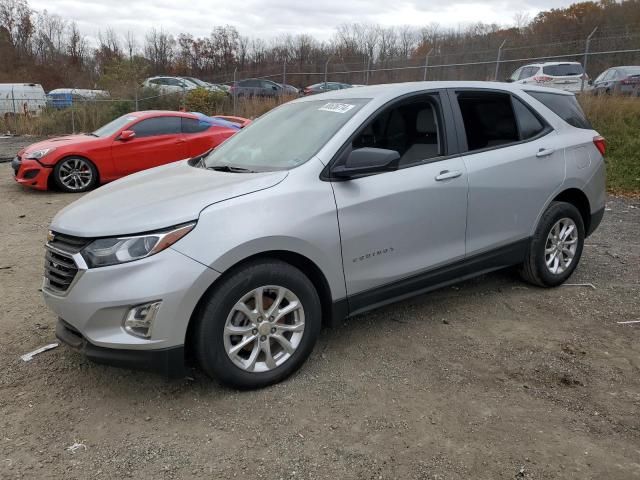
(114, 126)
(563, 70)
(286, 137)
(631, 71)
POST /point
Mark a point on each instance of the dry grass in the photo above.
(618, 120)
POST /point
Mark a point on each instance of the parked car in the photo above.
(168, 85)
(289, 89)
(389, 191)
(136, 141)
(565, 76)
(65, 97)
(618, 80)
(256, 87)
(21, 99)
(324, 87)
(205, 85)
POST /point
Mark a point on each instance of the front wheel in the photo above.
(75, 174)
(258, 326)
(556, 246)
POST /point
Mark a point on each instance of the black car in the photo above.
(256, 87)
(324, 87)
(618, 80)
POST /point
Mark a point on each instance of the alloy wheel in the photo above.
(561, 245)
(264, 328)
(75, 174)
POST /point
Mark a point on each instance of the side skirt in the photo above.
(480, 264)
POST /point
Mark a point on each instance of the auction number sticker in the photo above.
(336, 107)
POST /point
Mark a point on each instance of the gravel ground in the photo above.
(487, 379)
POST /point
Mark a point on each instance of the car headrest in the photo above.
(426, 121)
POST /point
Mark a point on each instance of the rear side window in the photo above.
(563, 70)
(157, 126)
(191, 125)
(528, 124)
(488, 119)
(565, 106)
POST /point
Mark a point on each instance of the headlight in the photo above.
(38, 154)
(111, 251)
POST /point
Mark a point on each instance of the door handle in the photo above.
(446, 175)
(545, 152)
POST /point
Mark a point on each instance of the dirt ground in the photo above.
(489, 379)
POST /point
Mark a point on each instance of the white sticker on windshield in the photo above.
(336, 107)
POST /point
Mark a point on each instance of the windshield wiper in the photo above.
(229, 168)
(91, 134)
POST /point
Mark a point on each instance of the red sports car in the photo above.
(133, 142)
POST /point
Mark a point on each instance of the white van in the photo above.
(21, 99)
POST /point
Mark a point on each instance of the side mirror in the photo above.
(126, 135)
(273, 87)
(590, 82)
(367, 160)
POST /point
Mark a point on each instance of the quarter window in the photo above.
(528, 124)
(565, 106)
(157, 126)
(191, 125)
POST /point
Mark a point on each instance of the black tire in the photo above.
(534, 269)
(217, 305)
(87, 167)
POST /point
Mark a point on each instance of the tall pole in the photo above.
(495, 77)
(426, 64)
(366, 73)
(326, 67)
(284, 72)
(586, 57)
(235, 91)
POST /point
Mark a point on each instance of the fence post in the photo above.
(73, 117)
(586, 57)
(426, 64)
(366, 74)
(326, 67)
(284, 72)
(235, 91)
(136, 97)
(495, 77)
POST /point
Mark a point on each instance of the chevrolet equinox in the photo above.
(324, 208)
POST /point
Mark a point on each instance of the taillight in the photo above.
(542, 78)
(601, 144)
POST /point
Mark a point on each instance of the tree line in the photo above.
(36, 46)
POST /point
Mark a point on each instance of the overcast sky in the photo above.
(270, 18)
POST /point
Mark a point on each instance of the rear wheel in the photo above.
(258, 326)
(75, 174)
(556, 246)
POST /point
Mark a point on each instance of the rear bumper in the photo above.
(169, 362)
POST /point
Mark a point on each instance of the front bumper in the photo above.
(31, 173)
(169, 362)
(95, 305)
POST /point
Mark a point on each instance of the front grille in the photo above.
(68, 243)
(59, 270)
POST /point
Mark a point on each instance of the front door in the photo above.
(157, 141)
(400, 224)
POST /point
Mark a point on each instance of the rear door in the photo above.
(396, 226)
(158, 140)
(514, 162)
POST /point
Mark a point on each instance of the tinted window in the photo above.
(192, 125)
(565, 106)
(157, 126)
(528, 123)
(630, 70)
(488, 119)
(563, 69)
(259, 146)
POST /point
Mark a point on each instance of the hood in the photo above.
(59, 142)
(157, 198)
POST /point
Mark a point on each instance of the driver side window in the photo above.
(413, 129)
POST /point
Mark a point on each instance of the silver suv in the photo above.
(324, 208)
